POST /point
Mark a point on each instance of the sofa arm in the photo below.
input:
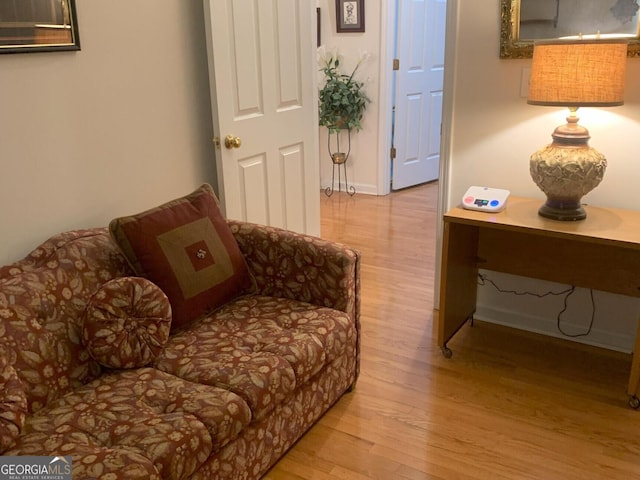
(301, 267)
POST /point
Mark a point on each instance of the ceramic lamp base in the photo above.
(565, 171)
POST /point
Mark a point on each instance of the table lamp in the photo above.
(573, 74)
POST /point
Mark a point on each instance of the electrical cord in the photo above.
(484, 280)
(593, 315)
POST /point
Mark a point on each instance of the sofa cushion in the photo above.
(136, 424)
(126, 323)
(261, 348)
(186, 247)
(13, 405)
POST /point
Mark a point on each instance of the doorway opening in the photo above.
(416, 49)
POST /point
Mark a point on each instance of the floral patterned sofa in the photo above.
(92, 367)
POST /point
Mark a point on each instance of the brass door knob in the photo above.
(232, 142)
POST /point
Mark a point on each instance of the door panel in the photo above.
(252, 174)
(245, 60)
(292, 161)
(289, 76)
(264, 91)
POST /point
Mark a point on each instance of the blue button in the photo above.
(495, 203)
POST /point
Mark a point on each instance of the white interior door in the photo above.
(419, 83)
(264, 93)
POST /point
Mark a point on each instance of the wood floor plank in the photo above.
(509, 405)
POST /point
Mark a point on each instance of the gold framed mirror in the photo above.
(524, 21)
(38, 26)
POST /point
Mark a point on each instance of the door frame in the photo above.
(385, 119)
(387, 38)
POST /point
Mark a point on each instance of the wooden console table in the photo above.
(601, 252)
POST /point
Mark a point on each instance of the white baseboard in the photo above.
(360, 187)
(548, 326)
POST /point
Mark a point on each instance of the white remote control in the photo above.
(485, 199)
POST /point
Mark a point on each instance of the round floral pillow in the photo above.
(13, 405)
(126, 323)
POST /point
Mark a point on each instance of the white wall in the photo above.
(493, 134)
(115, 128)
(362, 166)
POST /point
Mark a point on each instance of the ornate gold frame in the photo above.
(512, 47)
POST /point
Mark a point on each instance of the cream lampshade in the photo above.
(573, 74)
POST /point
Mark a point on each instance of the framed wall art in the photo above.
(525, 21)
(350, 16)
(38, 26)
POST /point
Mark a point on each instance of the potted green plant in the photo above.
(342, 98)
(342, 101)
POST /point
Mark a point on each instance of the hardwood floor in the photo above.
(508, 405)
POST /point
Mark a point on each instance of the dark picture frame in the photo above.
(318, 27)
(38, 26)
(349, 16)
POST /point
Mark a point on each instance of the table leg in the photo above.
(458, 281)
(634, 376)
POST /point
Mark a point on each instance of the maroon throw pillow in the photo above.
(186, 248)
(126, 323)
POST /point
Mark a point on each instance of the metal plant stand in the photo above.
(339, 159)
